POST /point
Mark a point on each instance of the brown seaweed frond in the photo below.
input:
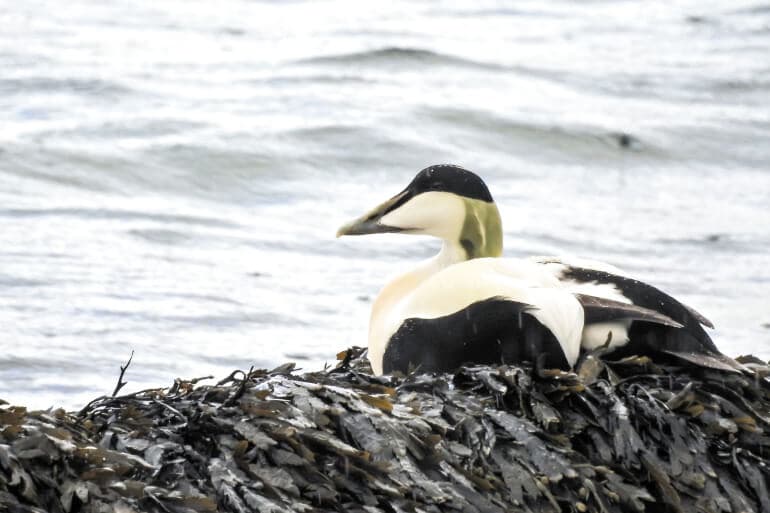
(628, 436)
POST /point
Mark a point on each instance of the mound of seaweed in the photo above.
(632, 435)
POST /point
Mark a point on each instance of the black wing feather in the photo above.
(598, 309)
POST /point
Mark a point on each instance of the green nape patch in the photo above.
(631, 435)
(482, 232)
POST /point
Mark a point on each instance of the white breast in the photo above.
(431, 295)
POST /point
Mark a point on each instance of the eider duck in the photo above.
(468, 305)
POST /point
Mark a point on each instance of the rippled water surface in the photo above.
(172, 173)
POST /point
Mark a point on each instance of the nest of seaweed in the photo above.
(632, 435)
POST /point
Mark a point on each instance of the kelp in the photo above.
(627, 436)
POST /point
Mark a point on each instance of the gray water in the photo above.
(172, 173)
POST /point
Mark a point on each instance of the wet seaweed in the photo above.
(627, 436)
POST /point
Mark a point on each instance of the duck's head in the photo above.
(444, 201)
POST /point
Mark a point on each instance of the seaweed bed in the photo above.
(632, 435)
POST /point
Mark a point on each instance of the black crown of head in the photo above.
(450, 178)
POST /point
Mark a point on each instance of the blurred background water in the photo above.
(172, 173)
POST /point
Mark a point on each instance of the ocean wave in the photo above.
(143, 128)
(531, 11)
(85, 86)
(718, 243)
(161, 236)
(548, 139)
(7, 280)
(401, 56)
(104, 213)
(316, 78)
(760, 8)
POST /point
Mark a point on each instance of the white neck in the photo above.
(386, 307)
(451, 253)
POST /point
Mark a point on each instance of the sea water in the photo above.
(172, 173)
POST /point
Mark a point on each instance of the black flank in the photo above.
(492, 331)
